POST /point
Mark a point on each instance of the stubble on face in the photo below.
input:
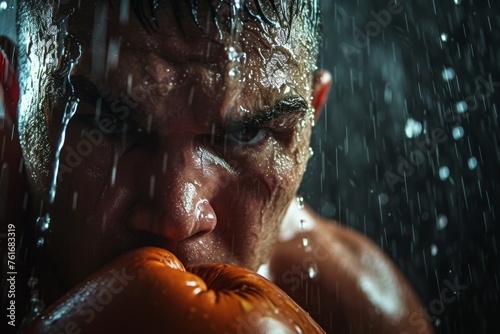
(273, 69)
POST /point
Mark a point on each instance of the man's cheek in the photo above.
(84, 173)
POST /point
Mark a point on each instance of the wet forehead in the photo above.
(267, 62)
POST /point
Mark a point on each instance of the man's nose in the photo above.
(177, 183)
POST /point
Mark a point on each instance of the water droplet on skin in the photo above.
(457, 132)
(413, 128)
(298, 136)
(312, 271)
(232, 55)
(305, 241)
(233, 72)
(448, 74)
(434, 250)
(442, 222)
(300, 202)
(472, 163)
(444, 173)
(302, 222)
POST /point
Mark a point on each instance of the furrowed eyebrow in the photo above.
(87, 91)
(285, 108)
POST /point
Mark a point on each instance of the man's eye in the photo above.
(114, 126)
(252, 136)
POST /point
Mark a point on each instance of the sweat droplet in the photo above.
(444, 173)
(233, 72)
(313, 271)
(441, 222)
(300, 202)
(305, 241)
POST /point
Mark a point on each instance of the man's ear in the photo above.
(9, 84)
(321, 86)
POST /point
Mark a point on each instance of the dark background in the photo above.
(361, 139)
(363, 154)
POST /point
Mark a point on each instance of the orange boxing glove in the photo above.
(149, 291)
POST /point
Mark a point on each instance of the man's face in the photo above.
(180, 139)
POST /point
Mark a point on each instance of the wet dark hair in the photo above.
(37, 26)
(259, 10)
(279, 13)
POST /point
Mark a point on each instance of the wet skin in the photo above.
(189, 180)
(176, 171)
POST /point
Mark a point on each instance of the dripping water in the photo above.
(70, 56)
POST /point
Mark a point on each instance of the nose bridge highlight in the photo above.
(182, 205)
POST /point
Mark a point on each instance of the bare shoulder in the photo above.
(342, 278)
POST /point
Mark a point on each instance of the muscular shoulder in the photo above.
(342, 278)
